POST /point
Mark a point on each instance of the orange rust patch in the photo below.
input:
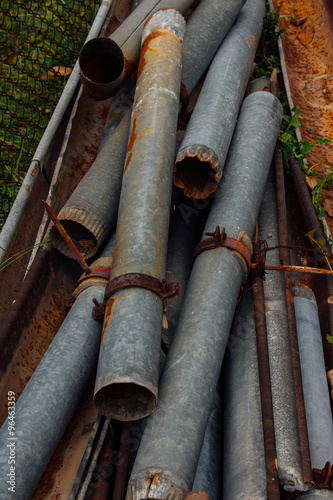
(34, 169)
(157, 33)
(307, 35)
(131, 142)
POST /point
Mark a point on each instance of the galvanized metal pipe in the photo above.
(51, 396)
(292, 331)
(170, 447)
(204, 148)
(313, 495)
(272, 478)
(286, 433)
(184, 234)
(128, 368)
(106, 62)
(91, 211)
(206, 29)
(244, 456)
(316, 393)
(208, 476)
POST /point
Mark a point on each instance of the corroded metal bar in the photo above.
(128, 368)
(204, 148)
(173, 436)
(272, 477)
(316, 394)
(244, 454)
(285, 422)
(295, 361)
(106, 62)
(51, 396)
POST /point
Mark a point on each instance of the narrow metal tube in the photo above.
(285, 422)
(244, 456)
(91, 211)
(170, 447)
(316, 393)
(272, 477)
(51, 396)
(128, 368)
(204, 148)
(293, 342)
(106, 62)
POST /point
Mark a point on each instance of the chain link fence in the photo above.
(39, 44)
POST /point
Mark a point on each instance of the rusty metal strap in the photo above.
(163, 289)
(242, 247)
(98, 276)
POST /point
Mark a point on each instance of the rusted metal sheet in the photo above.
(307, 63)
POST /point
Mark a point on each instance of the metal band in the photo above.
(163, 289)
(220, 239)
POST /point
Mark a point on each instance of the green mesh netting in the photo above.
(39, 44)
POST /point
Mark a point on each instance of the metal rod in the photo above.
(61, 230)
(51, 396)
(204, 148)
(296, 269)
(105, 63)
(316, 393)
(296, 369)
(173, 436)
(272, 477)
(244, 452)
(128, 368)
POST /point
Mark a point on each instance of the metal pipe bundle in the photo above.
(204, 148)
(286, 433)
(128, 368)
(51, 396)
(170, 447)
(90, 213)
(315, 387)
(106, 62)
(244, 462)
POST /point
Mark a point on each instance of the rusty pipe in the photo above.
(128, 368)
(105, 63)
(204, 148)
(173, 436)
(51, 396)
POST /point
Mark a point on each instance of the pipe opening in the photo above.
(125, 401)
(196, 177)
(102, 66)
(84, 239)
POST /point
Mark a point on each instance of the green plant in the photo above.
(291, 147)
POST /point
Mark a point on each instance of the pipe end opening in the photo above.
(102, 66)
(197, 178)
(125, 401)
(81, 236)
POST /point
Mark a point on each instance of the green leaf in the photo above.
(329, 338)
